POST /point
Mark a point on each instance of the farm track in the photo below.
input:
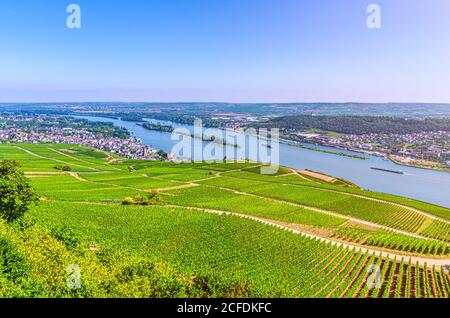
(285, 175)
(43, 174)
(301, 176)
(77, 176)
(434, 217)
(183, 186)
(55, 160)
(335, 214)
(337, 269)
(80, 160)
(192, 184)
(391, 255)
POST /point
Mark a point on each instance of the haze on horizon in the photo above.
(225, 51)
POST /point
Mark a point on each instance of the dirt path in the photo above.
(434, 217)
(303, 177)
(53, 159)
(193, 184)
(112, 160)
(77, 176)
(285, 175)
(367, 223)
(43, 174)
(401, 206)
(431, 216)
(392, 255)
(183, 186)
(80, 160)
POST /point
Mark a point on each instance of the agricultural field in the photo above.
(213, 230)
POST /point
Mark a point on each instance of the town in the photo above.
(41, 129)
(425, 149)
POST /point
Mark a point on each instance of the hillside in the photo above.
(218, 230)
(358, 125)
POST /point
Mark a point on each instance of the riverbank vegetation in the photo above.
(331, 152)
(158, 127)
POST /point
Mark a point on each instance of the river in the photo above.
(420, 184)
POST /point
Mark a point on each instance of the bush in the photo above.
(67, 235)
(138, 199)
(12, 265)
(152, 198)
(24, 223)
(63, 168)
(128, 201)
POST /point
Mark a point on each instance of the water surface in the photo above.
(421, 184)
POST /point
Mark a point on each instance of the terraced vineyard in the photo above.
(219, 230)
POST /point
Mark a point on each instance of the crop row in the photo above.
(365, 209)
(395, 241)
(273, 262)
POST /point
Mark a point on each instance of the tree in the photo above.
(16, 193)
(163, 154)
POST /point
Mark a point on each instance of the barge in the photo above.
(388, 170)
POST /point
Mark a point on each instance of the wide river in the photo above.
(421, 184)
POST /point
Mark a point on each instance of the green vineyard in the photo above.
(218, 230)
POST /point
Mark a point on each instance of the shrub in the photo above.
(152, 198)
(63, 168)
(138, 199)
(128, 201)
(12, 265)
(67, 235)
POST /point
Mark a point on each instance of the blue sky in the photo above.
(225, 50)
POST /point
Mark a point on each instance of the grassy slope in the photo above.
(272, 262)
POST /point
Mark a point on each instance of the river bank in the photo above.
(401, 161)
(421, 184)
(337, 153)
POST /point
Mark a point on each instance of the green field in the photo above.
(221, 230)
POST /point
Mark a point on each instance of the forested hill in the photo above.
(358, 124)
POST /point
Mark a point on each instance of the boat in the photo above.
(388, 170)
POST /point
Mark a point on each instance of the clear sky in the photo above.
(225, 50)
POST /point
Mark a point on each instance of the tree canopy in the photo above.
(359, 125)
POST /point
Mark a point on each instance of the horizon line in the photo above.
(226, 103)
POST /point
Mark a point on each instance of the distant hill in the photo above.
(417, 110)
(358, 124)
